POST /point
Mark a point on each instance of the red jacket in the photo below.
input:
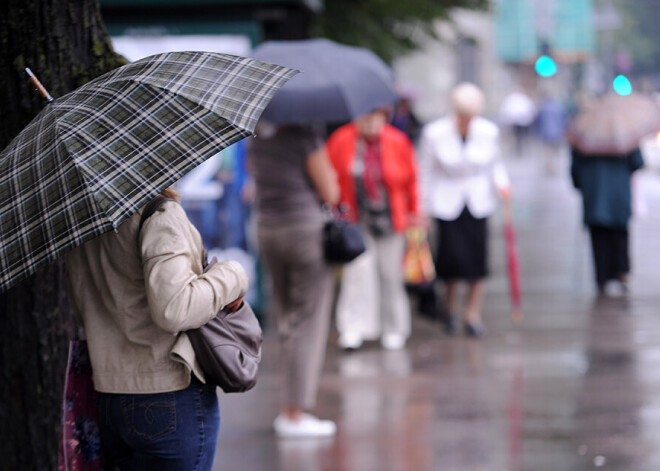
(399, 171)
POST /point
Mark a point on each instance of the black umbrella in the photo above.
(338, 83)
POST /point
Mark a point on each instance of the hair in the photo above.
(171, 193)
(467, 99)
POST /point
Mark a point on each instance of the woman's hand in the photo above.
(505, 194)
(234, 305)
(423, 222)
(323, 176)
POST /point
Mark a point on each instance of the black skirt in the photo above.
(610, 250)
(462, 250)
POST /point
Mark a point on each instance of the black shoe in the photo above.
(448, 323)
(474, 330)
(623, 281)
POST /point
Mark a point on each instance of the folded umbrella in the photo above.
(614, 124)
(91, 158)
(338, 83)
(513, 264)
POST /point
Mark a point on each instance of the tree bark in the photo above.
(65, 44)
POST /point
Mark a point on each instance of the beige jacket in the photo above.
(135, 299)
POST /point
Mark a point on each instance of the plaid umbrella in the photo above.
(91, 158)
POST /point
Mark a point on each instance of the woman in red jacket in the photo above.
(375, 164)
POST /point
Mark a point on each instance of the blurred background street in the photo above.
(574, 387)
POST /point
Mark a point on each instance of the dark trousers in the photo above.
(610, 251)
(173, 431)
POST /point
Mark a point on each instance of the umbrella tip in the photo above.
(37, 84)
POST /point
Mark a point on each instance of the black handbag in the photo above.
(228, 347)
(342, 240)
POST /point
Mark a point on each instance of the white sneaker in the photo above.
(393, 341)
(350, 341)
(307, 426)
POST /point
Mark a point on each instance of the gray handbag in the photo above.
(228, 347)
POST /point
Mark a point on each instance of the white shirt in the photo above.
(454, 173)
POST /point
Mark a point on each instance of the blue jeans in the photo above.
(175, 431)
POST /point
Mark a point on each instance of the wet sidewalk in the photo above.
(575, 387)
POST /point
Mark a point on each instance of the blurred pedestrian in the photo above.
(518, 112)
(604, 182)
(423, 293)
(376, 166)
(405, 120)
(460, 167)
(293, 176)
(551, 125)
(136, 291)
(605, 137)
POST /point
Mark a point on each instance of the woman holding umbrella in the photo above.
(605, 153)
(293, 175)
(136, 291)
(460, 166)
(604, 182)
(136, 280)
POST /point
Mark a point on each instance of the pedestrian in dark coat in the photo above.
(605, 184)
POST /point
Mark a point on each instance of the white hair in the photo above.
(467, 99)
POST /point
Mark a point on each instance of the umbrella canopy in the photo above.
(614, 124)
(338, 83)
(91, 158)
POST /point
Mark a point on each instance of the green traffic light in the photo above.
(545, 66)
(622, 85)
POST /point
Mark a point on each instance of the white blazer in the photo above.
(454, 174)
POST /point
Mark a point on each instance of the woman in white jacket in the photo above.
(461, 173)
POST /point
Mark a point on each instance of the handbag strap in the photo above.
(154, 205)
(151, 207)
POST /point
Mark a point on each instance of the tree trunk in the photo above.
(65, 44)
